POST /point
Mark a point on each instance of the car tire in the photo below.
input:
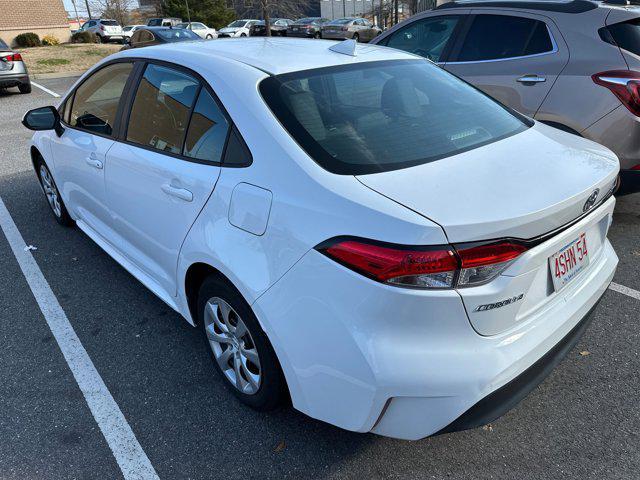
(100, 39)
(243, 34)
(221, 309)
(356, 37)
(52, 195)
(25, 87)
(317, 35)
(209, 37)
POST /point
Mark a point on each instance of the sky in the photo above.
(82, 10)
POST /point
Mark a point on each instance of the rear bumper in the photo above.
(13, 80)
(336, 35)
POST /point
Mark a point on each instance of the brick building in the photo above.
(44, 17)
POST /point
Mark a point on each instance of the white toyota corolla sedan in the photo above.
(353, 228)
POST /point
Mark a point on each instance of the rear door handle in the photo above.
(532, 79)
(94, 162)
(181, 193)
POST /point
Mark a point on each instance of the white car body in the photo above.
(128, 30)
(200, 29)
(238, 28)
(363, 355)
(106, 33)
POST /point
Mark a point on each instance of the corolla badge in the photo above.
(591, 201)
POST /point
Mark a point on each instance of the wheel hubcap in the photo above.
(50, 190)
(233, 346)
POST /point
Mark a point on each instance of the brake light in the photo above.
(16, 57)
(637, 167)
(424, 267)
(624, 84)
(102, 27)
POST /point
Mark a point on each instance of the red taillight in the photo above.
(637, 167)
(102, 27)
(424, 267)
(16, 57)
(624, 84)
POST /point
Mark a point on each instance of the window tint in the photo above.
(237, 154)
(627, 35)
(161, 109)
(427, 37)
(207, 130)
(96, 101)
(493, 37)
(410, 112)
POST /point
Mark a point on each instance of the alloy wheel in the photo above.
(233, 346)
(51, 191)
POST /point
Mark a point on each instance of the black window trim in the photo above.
(463, 36)
(126, 103)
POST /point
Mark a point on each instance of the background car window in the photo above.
(146, 36)
(427, 37)
(161, 109)
(207, 130)
(493, 37)
(96, 101)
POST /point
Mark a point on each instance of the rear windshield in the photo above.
(177, 34)
(627, 35)
(109, 23)
(341, 21)
(380, 116)
(156, 22)
(237, 24)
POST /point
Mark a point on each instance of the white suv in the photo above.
(106, 30)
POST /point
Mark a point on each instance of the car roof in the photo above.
(271, 55)
(559, 6)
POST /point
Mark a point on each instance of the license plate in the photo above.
(566, 264)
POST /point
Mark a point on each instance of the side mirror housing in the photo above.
(43, 118)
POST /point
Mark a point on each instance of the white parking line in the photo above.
(625, 290)
(45, 89)
(132, 460)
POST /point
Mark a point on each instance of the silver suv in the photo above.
(574, 65)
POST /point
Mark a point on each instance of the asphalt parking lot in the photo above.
(582, 422)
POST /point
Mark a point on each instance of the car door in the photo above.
(91, 121)
(162, 172)
(515, 58)
(431, 37)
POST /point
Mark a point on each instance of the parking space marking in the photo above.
(625, 290)
(45, 89)
(131, 458)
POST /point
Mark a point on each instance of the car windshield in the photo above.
(341, 21)
(237, 24)
(177, 34)
(109, 23)
(378, 116)
(305, 21)
(182, 25)
(126, 29)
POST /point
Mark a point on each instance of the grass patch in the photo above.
(51, 62)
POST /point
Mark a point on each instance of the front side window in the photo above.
(161, 109)
(96, 101)
(495, 37)
(378, 116)
(207, 130)
(427, 37)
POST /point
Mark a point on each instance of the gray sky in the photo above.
(82, 10)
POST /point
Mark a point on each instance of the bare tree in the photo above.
(119, 10)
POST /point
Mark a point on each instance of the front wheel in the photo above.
(243, 34)
(356, 37)
(50, 189)
(209, 37)
(317, 35)
(240, 350)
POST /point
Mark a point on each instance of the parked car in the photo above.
(164, 22)
(573, 65)
(147, 36)
(200, 29)
(307, 27)
(13, 71)
(378, 240)
(279, 27)
(106, 30)
(128, 30)
(237, 28)
(358, 29)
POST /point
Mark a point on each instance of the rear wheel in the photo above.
(243, 34)
(209, 37)
(317, 35)
(25, 87)
(52, 195)
(240, 350)
(100, 39)
(356, 37)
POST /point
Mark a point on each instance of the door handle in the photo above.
(531, 79)
(181, 193)
(94, 162)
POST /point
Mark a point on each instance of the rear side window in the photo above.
(495, 37)
(627, 35)
(161, 109)
(207, 130)
(377, 116)
(427, 37)
(96, 101)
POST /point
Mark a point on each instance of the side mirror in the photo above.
(43, 118)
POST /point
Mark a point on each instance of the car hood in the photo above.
(229, 30)
(523, 186)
